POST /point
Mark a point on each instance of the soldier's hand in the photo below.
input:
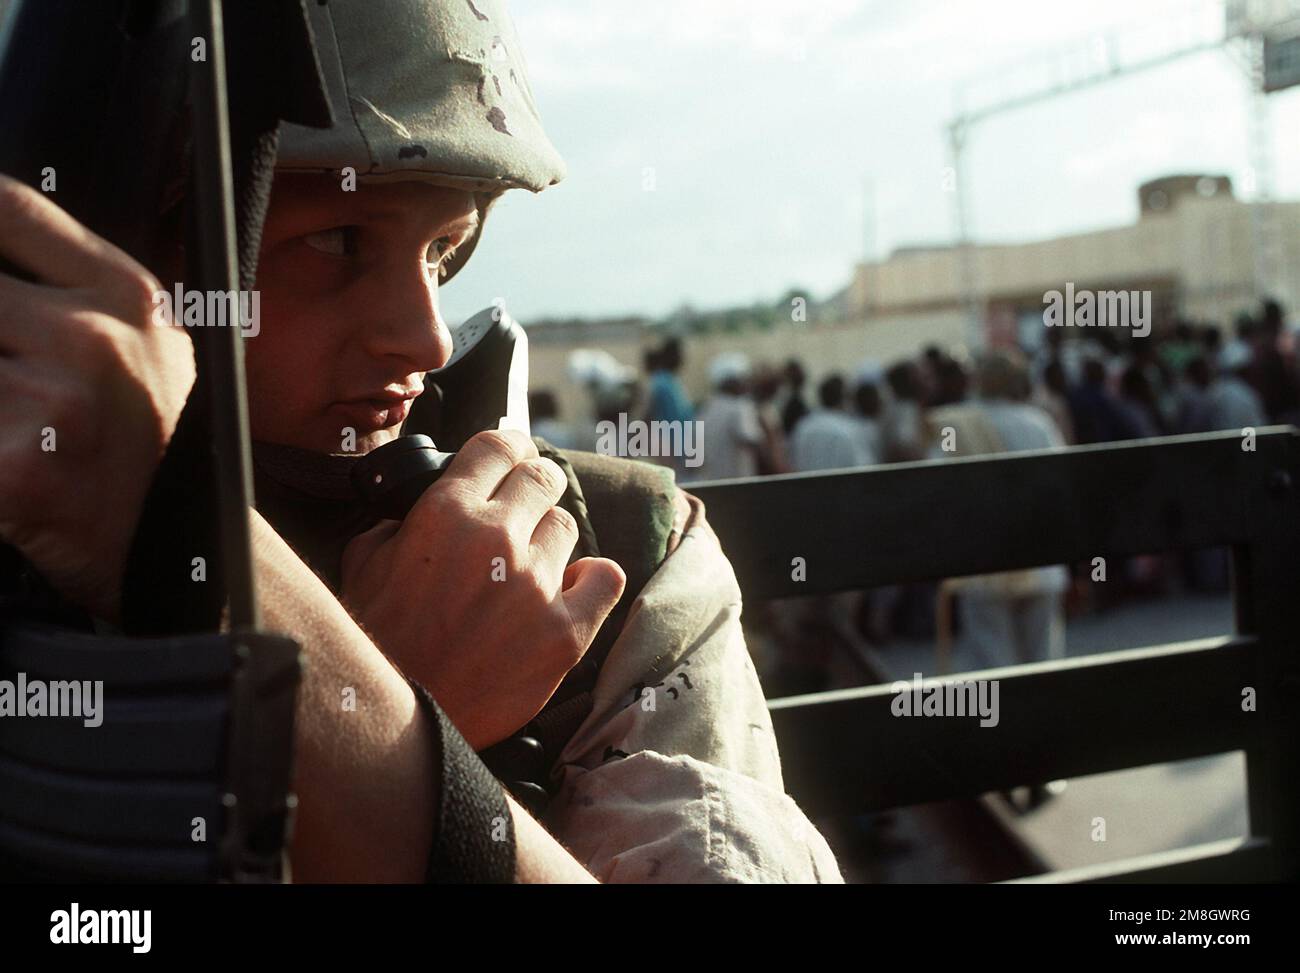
(90, 393)
(471, 595)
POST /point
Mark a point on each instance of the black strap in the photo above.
(474, 833)
(161, 592)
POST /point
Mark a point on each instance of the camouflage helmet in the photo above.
(430, 90)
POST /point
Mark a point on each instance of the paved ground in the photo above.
(1129, 626)
(1149, 808)
(1145, 810)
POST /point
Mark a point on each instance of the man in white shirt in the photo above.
(1010, 617)
(829, 438)
(1234, 404)
(730, 432)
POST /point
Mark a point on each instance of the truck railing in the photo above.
(845, 752)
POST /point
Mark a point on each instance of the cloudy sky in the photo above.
(722, 151)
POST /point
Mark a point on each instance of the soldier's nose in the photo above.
(409, 325)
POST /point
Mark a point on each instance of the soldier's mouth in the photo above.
(374, 414)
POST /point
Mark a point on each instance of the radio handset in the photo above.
(484, 385)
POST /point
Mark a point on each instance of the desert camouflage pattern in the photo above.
(434, 90)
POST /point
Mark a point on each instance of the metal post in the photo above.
(221, 354)
(1262, 235)
(975, 332)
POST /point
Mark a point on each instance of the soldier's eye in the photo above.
(339, 241)
(440, 252)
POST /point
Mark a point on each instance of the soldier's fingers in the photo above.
(552, 543)
(25, 321)
(28, 384)
(21, 419)
(593, 586)
(11, 376)
(41, 238)
(486, 460)
(530, 489)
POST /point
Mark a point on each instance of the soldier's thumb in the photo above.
(592, 587)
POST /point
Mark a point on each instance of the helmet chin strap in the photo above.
(322, 476)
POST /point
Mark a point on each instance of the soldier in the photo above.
(79, 356)
(662, 779)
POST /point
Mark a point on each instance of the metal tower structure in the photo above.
(1242, 28)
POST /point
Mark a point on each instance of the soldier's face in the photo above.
(349, 308)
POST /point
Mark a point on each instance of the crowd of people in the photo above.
(763, 418)
(1096, 386)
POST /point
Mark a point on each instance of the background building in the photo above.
(1194, 245)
